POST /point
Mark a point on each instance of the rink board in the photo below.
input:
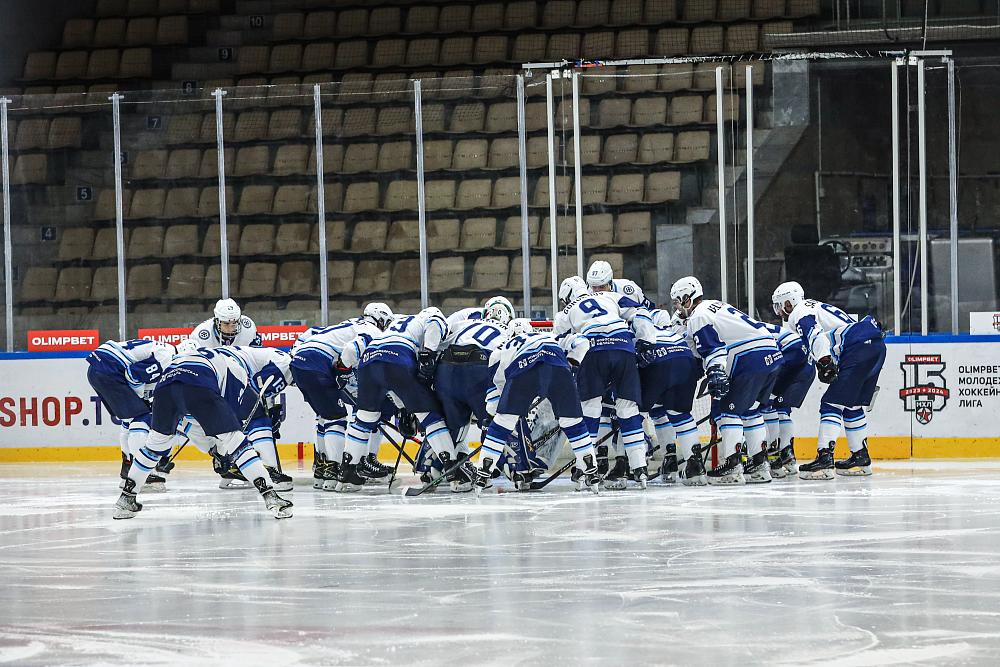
(939, 398)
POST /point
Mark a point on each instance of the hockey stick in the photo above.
(537, 486)
(445, 474)
(395, 468)
(353, 404)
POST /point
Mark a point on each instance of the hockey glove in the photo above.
(484, 423)
(827, 370)
(426, 361)
(277, 414)
(645, 352)
(407, 424)
(718, 382)
(342, 376)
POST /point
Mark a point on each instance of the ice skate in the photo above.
(280, 480)
(590, 477)
(668, 469)
(319, 467)
(522, 480)
(233, 479)
(821, 468)
(615, 480)
(774, 461)
(369, 467)
(350, 479)
(787, 459)
(640, 476)
(127, 507)
(154, 484)
(484, 476)
(727, 473)
(757, 470)
(602, 460)
(692, 473)
(464, 475)
(858, 464)
(331, 476)
(276, 505)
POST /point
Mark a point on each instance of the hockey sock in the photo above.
(592, 416)
(856, 426)
(261, 438)
(436, 433)
(138, 432)
(497, 436)
(320, 437)
(579, 438)
(786, 427)
(772, 422)
(123, 439)
(731, 432)
(831, 420)
(687, 433)
(334, 432)
(248, 461)
(633, 435)
(374, 442)
(145, 460)
(665, 433)
(358, 433)
(755, 433)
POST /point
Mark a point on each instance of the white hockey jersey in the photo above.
(629, 288)
(141, 361)
(604, 318)
(320, 348)
(231, 370)
(400, 342)
(827, 329)
(483, 334)
(517, 355)
(205, 336)
(722, 334)
(459, 316)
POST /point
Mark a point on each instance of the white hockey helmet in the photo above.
(227, 320)
(378, 314)
(684, 292)
(786, 293)
(600, 274)
(186, 346)
(498, 309)
(571, 289)
(518, 326)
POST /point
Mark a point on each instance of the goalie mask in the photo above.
(498, 309)
(227, 321)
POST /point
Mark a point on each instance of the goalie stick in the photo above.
(537, 486)
(445, 474)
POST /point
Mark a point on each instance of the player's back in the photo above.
(329, 342)
(476, 333)
(401, 340)
(815, 319)
(594, 315)
(720, 329)
(117, 356)
(457, 318)
(525, 350)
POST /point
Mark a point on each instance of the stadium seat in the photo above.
(332, 121)
(487, 17)
(252, 161)
(801, 8)
(333, 159)
(340, 276)
(478, 234)
(700, 11)
(42, 65)
(663, 187)
(395, 156)
(359, 122)
(647, 111)
(565, 231)
(186, 281)
(32, 134)
(108, 32)
(422, 52)
(351, 55)
(256, 200)
(318, 56)
(506, 192)
(489, 273)
(631, 229)
(455, 304)
(632, 43)
(625, 189)
(258, 279)
(421, 20)
(706, 40)
(467, 117)
(394, 120)
(615, 259)
(147, 204)
(105, 244)
(105, 286)
(369, 236)
(775, 9)
(675, 77)
(536, 116)
(30, 169)
(446, 274)
(730, 108)
(360, 158)
(145, 242)
(591, 13)
(503, 154)
(563, 47)
(620, 149)
(292, 238)
(372, 277)
(564, 114)
(185, 128)
(180, 241)
(598, 230)
(144, 282)
(692, 146)
(614, 112)
(333, 196)
(181, 203)
(285, 58)
(250, 126)
(65, 132)
(140, 32)
(319, 25)
(640, 78)
(529, 48)
(732, 10)
(455, 18)
(441, 234)
(284, 124)
(456, 51)
(385, 21)
(403, 236)
(474, 193)
(405, 276)
(73, 284)
(656, 147)
(72, 65)
(389, 53)
(470, 154)
(291, 200)
(685, 109)
(293, 160)
(598, 45)
(213, 278)
(361, 197)
(437, 154)
(136, 64)
(439, 195)
(336, 236)
(558, 13)
(211, 246)
(76, 243)
(537, 152)
(742, 38)
(142, 7)
(401, 196)
(593, 189)
(182, 163)
(256, 240)
(501, 117)
(539, 276)
(512, 228)
(78, 33)
(209, 167)
(541, 197)
(296, 278)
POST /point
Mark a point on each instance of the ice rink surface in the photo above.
(900, 568)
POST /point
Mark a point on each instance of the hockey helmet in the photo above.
(571, 289)
(600, 274)
(186, 346)
(498, 309)
(227, 320)
(378, 314)
(518, 326)
(786, 293)
(683, 294)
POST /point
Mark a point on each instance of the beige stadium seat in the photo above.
(181, 203)
(104, 209)
(180, 241)
(647, 111)
(147, 204)
(369, 236)
(211, 247)
(672, 42)
(390, 86)
(663, 187)
(65, 132)
(702, 10)
(296, 278)
(213, 278)
(632, 43)
(565, 231)
(256, 200)
(394, 120)
(593, 189)
(640, 78)
(284, 124)
(360, 158)
(541, 198)
(506, 192)
(73, 65)
(512, 231)
(395, 156)
(293, 159)
(186, 281)
(620, 149)
(654, 148)
(489, 273)
(520, 15)
(105, 286)
(456, 51)
(73, 284)
(447, 273)
(755, 71)
(332, 121)
(144, 282)
(539, 276)
(352, 23)
(630, 12)
(291, 200)
(615, 259)
(502, 117)
(537, 152)
(136, 64)
(478, 234)
(41, 65)
(503, 154)
(285, 58)
(633, 229)
(529, 48)
(590, 150)
(185, 128)
(351, 55)
(704, 76)
(292, 238)
(250, 126)
(675, 77)
(597, 230)
(336, 236)
(318, 56)
(625, 189)
(359, 122)
(30, 170)
(288, 26)
(558, 13)
(706, 39)
(732, 10)
(371, 278)
(692, 146)
(403, 236)
(183, 163)
(149, 164)
(333, 159)
(422, 52)
(361, 197)
(209, 167)
(109, 32)
(455, 304)
(252, 59)
(801, 8)
(454, 84)
(487, 17)
(78, 33)
(401, 196)
(340, 274)
(470, 154)
(442, 234)
(439, 195)
(105, 245)
(743, 38)
(535, 116)
(76, 243)
(405, 277)
(208, 201)
(685, 109)
(258, 279)
(333, 195)
(142, 7)
(468, 117)
(598, 45)
(250, 161)
(32, 134)
(455, 18)
(145, 242)
(256, 240)
(140, 32)
(437, 154)
(39, 283)
(474, 193)
(319, 25)
(562, 47)
(389, 53)
(614, 112)
(591, 13)
(730, 108)
(421, 20)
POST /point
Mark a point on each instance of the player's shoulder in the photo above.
(247, 323)
(627, 287)
(203, 332)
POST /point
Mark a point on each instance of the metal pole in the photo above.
(897, 299)
(553, 241)
(221, 150)
(119, 214)
(953, 196)
(8, 259)
(418, 117)
(720, 130)
(922, 148)
(578, 174)
(324, 282)
(751, 257)
(522, 164)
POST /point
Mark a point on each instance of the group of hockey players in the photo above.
(612, 363)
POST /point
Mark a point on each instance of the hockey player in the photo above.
(849, 355)
(123, 374)
(228, 326)
(399, 360)
(527, 365)
(795, 376)
(669, 374)
(214, 388)
(741, 360)
(622, 286)
(609, 366)
(321, 379)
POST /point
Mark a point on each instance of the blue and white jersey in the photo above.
(604, 318)
(669, 345)
(459, 316)
(320, 348)
(483, 334)
(231, 371)
(519, 354)
(628, 288)
(793, 349)
(205, 336)
(722, 335)
(827, 329)
(140, 361)
(400, 342)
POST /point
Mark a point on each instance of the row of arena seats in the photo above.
(293, 278)
(396, 196)
(134, 63)
(601, 230)
(552, 15)
(439, 155)
(494, 49)
(44, 133)
(157, 7)
(145, 31)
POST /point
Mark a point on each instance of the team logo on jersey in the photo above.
(203, 334)
(925, 390)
